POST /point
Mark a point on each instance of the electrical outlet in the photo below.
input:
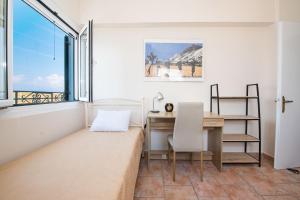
(164, 156)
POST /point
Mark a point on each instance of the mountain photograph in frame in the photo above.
(173, 60)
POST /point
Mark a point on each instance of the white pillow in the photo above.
(111, 121)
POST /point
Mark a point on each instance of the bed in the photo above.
(82, 166)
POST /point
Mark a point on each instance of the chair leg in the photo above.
(201, 166)
(192, 160)
(174, 165)
(169, 153)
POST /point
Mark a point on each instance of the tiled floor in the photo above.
(235, 182)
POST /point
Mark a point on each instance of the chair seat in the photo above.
(170, 141)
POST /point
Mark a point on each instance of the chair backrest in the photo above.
(188, 129)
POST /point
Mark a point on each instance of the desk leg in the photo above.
(148, 141)
(215, 145)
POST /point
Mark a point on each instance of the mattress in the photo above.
(82, 166)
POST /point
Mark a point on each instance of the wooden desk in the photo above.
(213, 122)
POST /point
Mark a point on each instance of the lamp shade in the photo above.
(159, 96)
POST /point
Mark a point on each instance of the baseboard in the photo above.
(267, 156)
(162, 155)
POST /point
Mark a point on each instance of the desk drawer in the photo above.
(211, 122)
(167, 124)
(162, 125)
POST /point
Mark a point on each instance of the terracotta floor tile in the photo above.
(148, 198)
(230, 166)
(182, 162)
(182, 177)
(295, 177)
(247, 170)
(155, 169)
(209, 164)
(180, 193)
(208, 188)
(214, 198)
(237, 192)
(168, 166)
(148, 186)
(141, 198)
(178, 162)
(206, 164)
(235, 182)
(229, 177)
(265, 186)
(211, 172)
(194, 170)
(292, 189)
(280, 198)
(279, 176)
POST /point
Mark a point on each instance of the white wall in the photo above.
(288, 10)
(24, 129)
(268, 75)
(234, 56)
(67, 9)
(132, 11)
(240, 48)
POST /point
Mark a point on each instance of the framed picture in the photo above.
(173, 60)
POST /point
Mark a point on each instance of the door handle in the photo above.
(284, 101)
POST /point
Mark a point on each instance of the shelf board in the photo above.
(235, 97)
(237, 157)
(240, 117)
(239, 138)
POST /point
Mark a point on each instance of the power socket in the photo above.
(164, 156)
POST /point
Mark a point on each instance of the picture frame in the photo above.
(173, 60)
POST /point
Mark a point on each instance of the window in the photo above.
(3, 50)
(86, 63)
(83, 64)
(44, 58)
(44, 54)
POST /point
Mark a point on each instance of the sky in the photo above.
(164, 51)
(34, 66)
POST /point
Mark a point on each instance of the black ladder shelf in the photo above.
(245, 137)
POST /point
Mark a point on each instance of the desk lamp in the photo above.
(158, 97)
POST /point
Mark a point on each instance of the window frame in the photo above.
(52, 16)
(88, 97)
(40, 7)
(8, 101)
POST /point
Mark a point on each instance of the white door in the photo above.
(287, 145)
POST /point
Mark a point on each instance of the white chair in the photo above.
(188, 133)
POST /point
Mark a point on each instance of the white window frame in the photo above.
(9, 101)
(88, 97)
(46, 13)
